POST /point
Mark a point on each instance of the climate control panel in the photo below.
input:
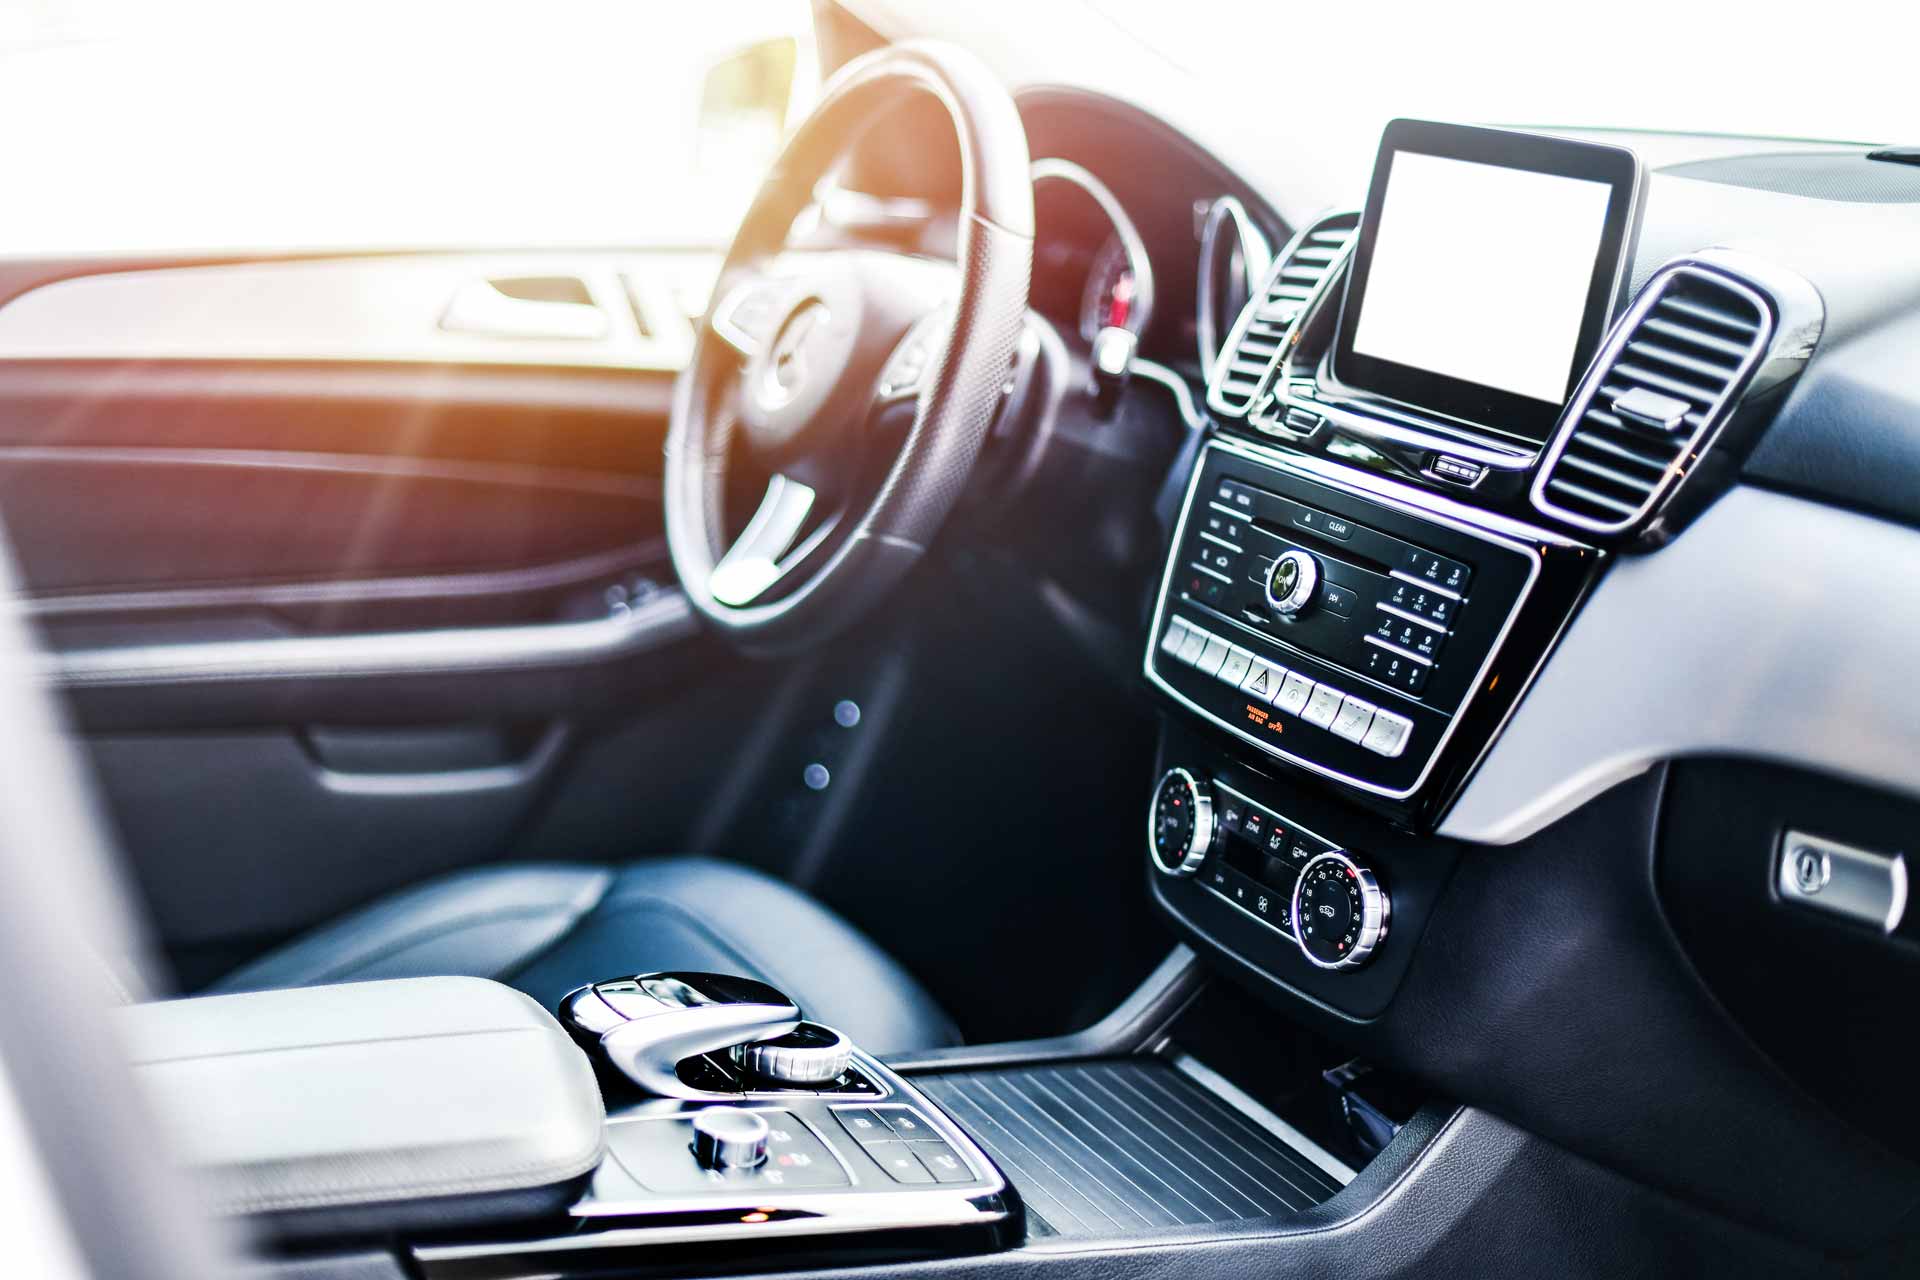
(1288, 878)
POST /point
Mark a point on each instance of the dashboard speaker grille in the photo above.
(1260, 332)
(1664, 382)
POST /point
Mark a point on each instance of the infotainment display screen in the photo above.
(1487, 266)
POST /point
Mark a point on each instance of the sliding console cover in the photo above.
(370, 1107)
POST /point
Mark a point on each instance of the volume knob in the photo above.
(729, 1138)
(1291, 581)
(1180, 823)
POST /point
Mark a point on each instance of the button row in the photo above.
(902, 1142)
(1357, 720)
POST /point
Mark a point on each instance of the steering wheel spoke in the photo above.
(759, 557)
(748, 310)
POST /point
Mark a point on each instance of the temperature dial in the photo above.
(1180, 823)
(1339, 911)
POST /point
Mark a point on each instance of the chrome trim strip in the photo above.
(829, 1210)
(1792, 315)
(1396, 650)
(1256, 254)
(1403, 614)
(1222, 542)
(1211, 573)
(1054, 169)
(1486, 526)
(1436, 588)
(648, 626)
(1225, 1090)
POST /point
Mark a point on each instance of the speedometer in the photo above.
(1111, 298)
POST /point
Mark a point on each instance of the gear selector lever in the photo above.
(646, 1026)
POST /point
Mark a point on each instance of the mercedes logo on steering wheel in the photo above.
(786, 367)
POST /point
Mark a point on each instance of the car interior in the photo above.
(1065, 704)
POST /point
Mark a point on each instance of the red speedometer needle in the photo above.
(1121, 304)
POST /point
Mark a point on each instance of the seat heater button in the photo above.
(1213, 655)
(1191, 647)
(943, 1162)
(1388, 736)
(1323, 706)
(1294, 693)
(1354, 719)
(1234, 669)
(1263, 680)
(898, 1160)
(1176, 635)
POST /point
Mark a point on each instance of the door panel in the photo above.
(352, 569)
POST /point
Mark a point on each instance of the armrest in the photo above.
(370, 1107)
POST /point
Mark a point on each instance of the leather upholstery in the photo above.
(547, 928)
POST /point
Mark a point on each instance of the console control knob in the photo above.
(729, 1138)
(1291, 581)
(808, 1054)
(1180, 823)
(1340, 912)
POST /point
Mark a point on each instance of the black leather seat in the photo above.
(546, 928)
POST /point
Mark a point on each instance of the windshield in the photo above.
(156, 125)
(1832, 72)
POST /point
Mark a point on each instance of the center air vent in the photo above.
(1666, 381)
(1262, 327)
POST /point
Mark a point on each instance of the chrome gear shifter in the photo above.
(646, 1026)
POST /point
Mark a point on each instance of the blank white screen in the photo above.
(1481, 273)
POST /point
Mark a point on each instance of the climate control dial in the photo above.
(1340, 912)
(1180, 823)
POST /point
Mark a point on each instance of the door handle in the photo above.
(481, 308)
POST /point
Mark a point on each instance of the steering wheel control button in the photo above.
(1340, 910)
(1353, 719)
(1388, 734)
(1180, 823)
(1291, 582)
(1843, 880)
(1323, 706)
(730, 1138)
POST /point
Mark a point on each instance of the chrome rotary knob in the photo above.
(729, 1138)
(808, 1054)
(1291, 581)
(1340, 912)
(1180, 823)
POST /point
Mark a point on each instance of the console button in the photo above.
(1322, 523)
(1176, 635)
(1193, 645)
(1337, 599)
(1212, 655)
(1234, 669)
(1263, 680)
(1295, 690)
(907, 1124)
(862, 1125)
(1395, 669)
(943, 1162)
(901, 1164)
(1353, 719)
(1411, 636)
(1224, 526)
(1442, 572)
(1388, 735)
(1323, 706)
(1422, 602)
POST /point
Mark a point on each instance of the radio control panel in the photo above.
(1341, 629)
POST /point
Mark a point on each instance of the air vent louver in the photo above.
(1261, 329)
(1660, 387)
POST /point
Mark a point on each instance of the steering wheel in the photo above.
(802, 351)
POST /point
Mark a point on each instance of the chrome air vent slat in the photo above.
(1688, 346)
(1258, 339)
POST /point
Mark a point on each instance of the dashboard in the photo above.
(1526, 546)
